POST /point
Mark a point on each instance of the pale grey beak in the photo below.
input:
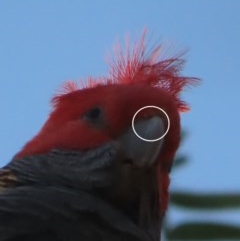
(141, 152)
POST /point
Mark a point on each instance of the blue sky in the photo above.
(43, 43)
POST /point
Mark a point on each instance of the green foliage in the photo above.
(204, 231)
(199, 229)
(205, 201)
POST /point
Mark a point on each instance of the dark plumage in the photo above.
(52, 201)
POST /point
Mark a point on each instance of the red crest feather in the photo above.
(134, 65)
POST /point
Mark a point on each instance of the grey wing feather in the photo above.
(53, 198)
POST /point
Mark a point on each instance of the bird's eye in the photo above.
(94, 114)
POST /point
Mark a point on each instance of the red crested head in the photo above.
(84, 118)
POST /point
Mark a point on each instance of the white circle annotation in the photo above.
(159, 138)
